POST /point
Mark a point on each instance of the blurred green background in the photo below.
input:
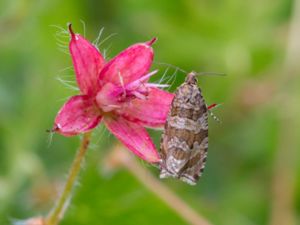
(252, 174)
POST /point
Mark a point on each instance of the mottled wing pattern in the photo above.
(184, 141)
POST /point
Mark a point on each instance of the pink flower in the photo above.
(116, 92)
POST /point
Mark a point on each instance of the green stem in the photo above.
(57, 212)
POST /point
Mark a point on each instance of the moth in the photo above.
(184, 141)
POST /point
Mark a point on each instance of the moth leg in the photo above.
(214, 117)
(213, 106)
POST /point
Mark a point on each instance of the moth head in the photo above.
(191, 78)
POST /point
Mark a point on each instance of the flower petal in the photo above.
(79, 114)
(134, 137)
(87, 61)
(129, 65)
(151, 112)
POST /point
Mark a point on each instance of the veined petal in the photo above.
(151, 112)
(87, 61)
(129, 65)
(134, 137)
(79, 114)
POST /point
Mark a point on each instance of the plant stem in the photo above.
(61, 205)
(121, 157)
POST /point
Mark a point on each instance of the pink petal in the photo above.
(79, 114)
(151, 112)
(134, 137)
(87, 62)
(129, 65)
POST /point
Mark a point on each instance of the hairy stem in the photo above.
(61, 205)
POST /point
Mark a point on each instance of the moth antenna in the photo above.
(209, 74)
(163, 76)
(172, 66)
(172, 78)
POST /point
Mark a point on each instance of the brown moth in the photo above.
(184, 141)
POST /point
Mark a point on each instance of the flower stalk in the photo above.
(61, 205)
(120, 157)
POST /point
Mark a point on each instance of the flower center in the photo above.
(111, 97)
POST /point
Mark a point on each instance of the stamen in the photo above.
(139, 81)
(139, 95)
(108, 108)
(157, 85)
(122, 84)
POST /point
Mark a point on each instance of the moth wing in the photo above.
(164, 173)
(196, 163)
